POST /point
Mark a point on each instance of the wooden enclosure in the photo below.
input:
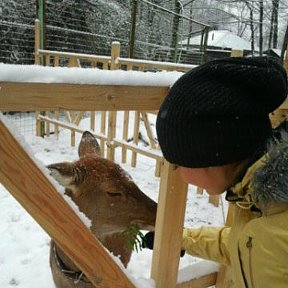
(170, 214)
(37, 194)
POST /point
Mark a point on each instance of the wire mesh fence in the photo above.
(153, 30)
(17, 31)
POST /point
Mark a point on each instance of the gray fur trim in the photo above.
(270, 182)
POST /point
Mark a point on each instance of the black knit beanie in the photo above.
(218, 113)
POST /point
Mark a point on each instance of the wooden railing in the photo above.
(29, 190)
(107, 132)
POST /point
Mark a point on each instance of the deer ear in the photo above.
(63, 173)
(88, 146)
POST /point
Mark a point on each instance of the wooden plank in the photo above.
(154, 154)
(103, 131)
(135, 137)
(87, 57)
(77, 97)
(27, 183)
(37, 42)
(169, 227)
(155, 65)
(125, 135)
(92, 120)
(201, 282)
(47, 126)
(214, 200)
(112, 119)
(56, 127)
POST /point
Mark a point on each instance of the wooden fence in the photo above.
(107, 133)
(29, 190)
(56, 217)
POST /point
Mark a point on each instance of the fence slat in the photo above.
(169, 227)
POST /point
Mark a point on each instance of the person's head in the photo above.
(217, 115)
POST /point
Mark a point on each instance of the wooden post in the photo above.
(47, 125)
(214, 200)
(237, 53)
(112, 117)
(38, 124)
(135, 137)
(169, 227)
(92, 120)
(56, 127)
(56, 60)
(126, 120)
(37, 43)
(103, 131)
(37, 61)
(28, 184)
(125, 135)
(115, 54)
(47, 60)
(152, 141)
(73, 62)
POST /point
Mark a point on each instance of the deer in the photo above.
(109, 197)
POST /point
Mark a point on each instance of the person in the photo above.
(214, 125)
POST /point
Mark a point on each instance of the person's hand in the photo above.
(148, 242)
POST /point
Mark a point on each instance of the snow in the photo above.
(40, 74)
(222, 39)
(24, 246)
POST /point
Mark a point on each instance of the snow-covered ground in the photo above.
(24, 246)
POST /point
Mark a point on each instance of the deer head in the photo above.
(104, 192)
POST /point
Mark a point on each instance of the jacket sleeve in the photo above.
(208, 243)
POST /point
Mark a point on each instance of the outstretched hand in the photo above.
(148, 242)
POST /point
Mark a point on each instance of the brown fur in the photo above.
(107, 195)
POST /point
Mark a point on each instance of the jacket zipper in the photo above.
(249, 246)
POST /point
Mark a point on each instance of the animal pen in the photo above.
(40, 198)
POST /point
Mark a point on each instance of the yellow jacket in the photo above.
(255, 248)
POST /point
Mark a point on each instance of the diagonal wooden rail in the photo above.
(40, 198)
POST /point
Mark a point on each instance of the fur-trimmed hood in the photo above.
(270, 181)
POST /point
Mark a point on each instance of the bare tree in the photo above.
(273, 34)
(285, 43)
(261, 10)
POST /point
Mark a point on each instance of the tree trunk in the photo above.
(285, 43)
(175, 31)
(250, 7)
(275, 26)
(271, 30)
(261, 27)
(133, 28)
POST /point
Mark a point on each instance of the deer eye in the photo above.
(114, 194)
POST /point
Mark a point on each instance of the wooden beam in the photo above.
(169, 227)
(203, 281)
(28, 184)
(77, 97)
